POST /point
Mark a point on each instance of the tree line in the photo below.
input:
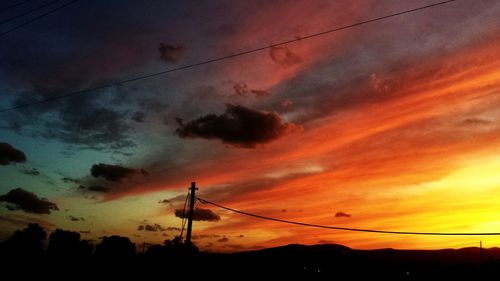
(30, 243)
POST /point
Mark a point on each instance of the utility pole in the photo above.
(480, 253)
(193, 189)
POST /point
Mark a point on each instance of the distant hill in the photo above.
(335, 259)
(328, 259)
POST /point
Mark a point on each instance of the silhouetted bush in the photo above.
(172, 249)
(66, 244)
(26, 243)
(157, 251)
(116, 247)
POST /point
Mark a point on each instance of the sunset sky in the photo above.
(390, 125)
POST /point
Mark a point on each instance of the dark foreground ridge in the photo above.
(117, 256)
(331, 259)
(325, 259)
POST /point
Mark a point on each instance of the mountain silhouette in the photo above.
(117, 256)
(338, 260)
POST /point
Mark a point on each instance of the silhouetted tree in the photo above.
(157, 251)
(174, 248)
(189, 248)
(174, 243)
(26, 243)
(115, 246)
(64, 244)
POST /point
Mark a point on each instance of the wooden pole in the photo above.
(193, 189)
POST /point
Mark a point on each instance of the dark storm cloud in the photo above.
(286, 104)
(73, 218)
(11, 124)
(27, 201)
(205, 236)
(323, 241)
(342, 215)
(476, 122)
(70, 180)
(199, 215)
(155, 227)
(9, 154)
(238, 126)
(31, 172)
(42, 67)
(173, 228)
(236, 247)
(283, 56)
(171, 53)
(223, 240)
(260, 93)
(166, 201)
(84, 123)
(176, 200)
(139, 116)
(96, 188)
(152, 227)
(81, 120)
(241, 89)
(114, 173)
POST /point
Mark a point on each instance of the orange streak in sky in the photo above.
(386, 155)
(397, 163)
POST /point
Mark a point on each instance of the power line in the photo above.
(37, 18)
(14, 5)
(353, 229)
(184, 216)
(151, 75)
(28, 12)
